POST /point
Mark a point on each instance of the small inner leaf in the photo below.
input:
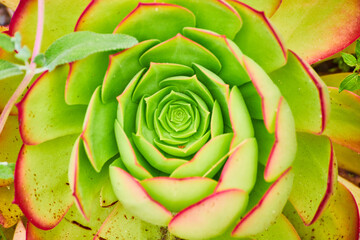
(6, 43)
(7, 69)
(349, 59)
(7, 170)
(351, 82)
(78, 45)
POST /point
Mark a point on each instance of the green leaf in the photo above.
(40, 60)
(17, 41)
(78, 45)
(6, 43)
(23, 54)
(357, 49)
(349, 59)
(351, 82)
(7, 69)
(7, 170)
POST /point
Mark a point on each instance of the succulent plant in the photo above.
(208, 128)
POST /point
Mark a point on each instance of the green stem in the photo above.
(2, 234)
(31, 71)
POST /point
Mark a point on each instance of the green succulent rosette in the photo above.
(208, 128)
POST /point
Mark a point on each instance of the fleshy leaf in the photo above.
(267, 210)
(282, 229)
(78, 45)
(239, 171)
(74, 227)
(44, 102)
(98, 130)
(210, 217)
(84, 77)
(315, 176)
(339, 221)
(313, 42)
(267, 6)
(122, 67)
(181, 50)
(258, 39)
(33, 179)
(203, 161)
(164, 20)
(10, 144)
(177, 194)
(269, 93)
(239, 118)
(135, 199)
(225, 50)
(305, 92)
(284, 149)
(8, 69)
(85, 182)
(343, 127)
(347, 159)
(222, 10)
(121, 224)
(9, 213)
(24, 20)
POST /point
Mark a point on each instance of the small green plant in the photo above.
(352, 81)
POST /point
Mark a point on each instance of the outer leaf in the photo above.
(267, 210)
(10, 144)
(9, 213)
(134, 198)
(44, 102)
(305, 92)
(98, 130)
(164, 20)
(78, 45)
(24, 20)
(315, 176)
(33, 179)
(210, 217)
(85, 182)
(267, 6)
(12, 4)
(258, 39)
(343, 127)
(282, 229)
(303, 34)
(8, 69)
(121, 224)
(339, 221)
(74, 226)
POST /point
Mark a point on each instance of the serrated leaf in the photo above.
(23, 54)
(7, 69)
(7, 170)
(6, 43)
(351, 83)
(357, 49)
(349, 59)
(78, 45)
(17, 41)
(40, 59)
